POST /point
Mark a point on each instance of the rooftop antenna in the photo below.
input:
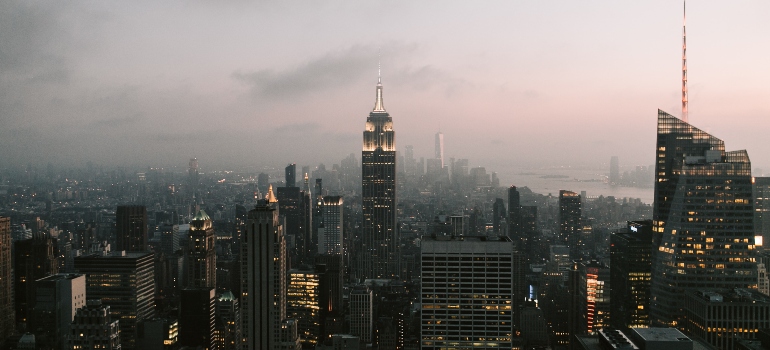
(379, 67)
(684, 63)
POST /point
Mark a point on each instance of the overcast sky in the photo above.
(511, 84)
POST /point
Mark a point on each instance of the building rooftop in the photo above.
(60, 276)
(737, 295)
(660, 334)
(466, 238)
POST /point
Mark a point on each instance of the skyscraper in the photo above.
(330, 234)
(380, 243)
(125, 281)
(440, 147)
(131, 228)
(630, 267)
(702, 217)
(469, 309)
(263, 276)
(6, 296)
(200, 257)
(570, 228)
(197, 314)
(303, 304)
(362, 313)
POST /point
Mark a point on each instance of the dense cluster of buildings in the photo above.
(391, 254)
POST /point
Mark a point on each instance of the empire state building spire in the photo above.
(379, 107)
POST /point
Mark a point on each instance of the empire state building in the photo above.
(380, 244)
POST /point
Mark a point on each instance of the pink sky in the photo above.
(510, 84)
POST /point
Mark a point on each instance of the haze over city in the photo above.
(511, 84)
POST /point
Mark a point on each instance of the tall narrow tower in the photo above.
(200, 257)
(684, 63)
(440, 147)
(379, 253)
(263, 276)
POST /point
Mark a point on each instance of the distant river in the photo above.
(551, 180)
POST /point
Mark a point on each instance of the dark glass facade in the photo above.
(702, 218)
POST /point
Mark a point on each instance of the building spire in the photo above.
(684, 63)
(270, 197)
(379, 107)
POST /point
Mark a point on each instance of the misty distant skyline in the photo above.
(510, 84)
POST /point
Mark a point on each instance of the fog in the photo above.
(511, 84)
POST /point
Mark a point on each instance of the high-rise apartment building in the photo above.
(200, 256)
(630, 271)
(330, 233)
(570, 227)
(702, 218)
(6, 292)
(124, 281)
(131, 228)
(263, 277)
(467, 292)
(379, 253)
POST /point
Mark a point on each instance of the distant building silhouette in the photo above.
(291, 175)
(440, 148)
(614, 178)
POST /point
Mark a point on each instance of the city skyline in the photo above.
(128, 84)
